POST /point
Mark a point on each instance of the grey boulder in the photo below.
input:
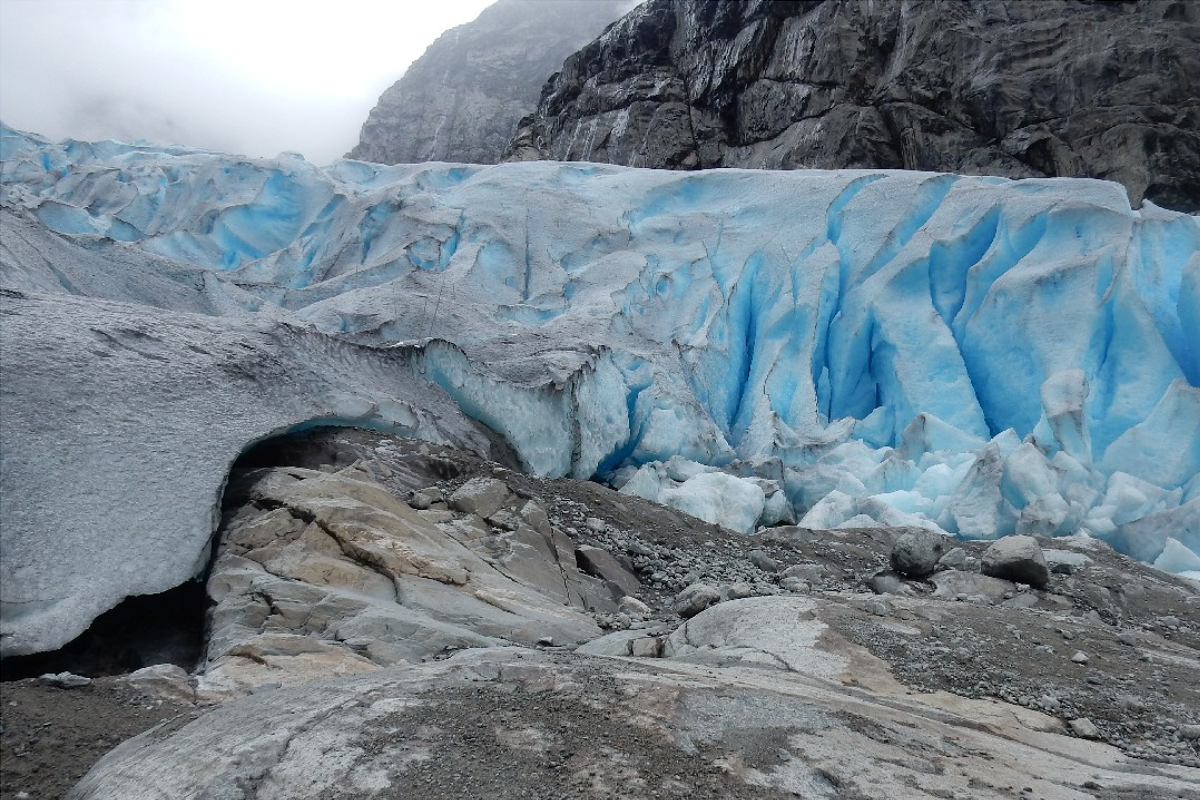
(916, 552)
(695, 598)
(482, 496)
(1016, 558)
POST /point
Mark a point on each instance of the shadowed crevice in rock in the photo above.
(306, 447)
(320, 443)
(325, 447)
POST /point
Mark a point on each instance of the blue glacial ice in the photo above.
(978, 356)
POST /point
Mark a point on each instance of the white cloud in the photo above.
(249, 76)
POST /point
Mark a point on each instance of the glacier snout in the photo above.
(973, 355)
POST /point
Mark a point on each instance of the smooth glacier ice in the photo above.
(973, 355)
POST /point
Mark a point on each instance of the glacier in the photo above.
(972, 355)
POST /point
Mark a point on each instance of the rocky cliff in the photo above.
(462, 99)
(996, 87)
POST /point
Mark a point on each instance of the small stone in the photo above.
(1190, 733)
(955, 558)
(795, 585)
(545, 641)
(739, 590)
(1127, 638)
(808, 572)
(648, 647)
(763, 561)
(596, 525)
(420, 501)
(633, 607)
(1083, 728)
(879, 608)
(695, 598)
(1080, 657)
(64, 680)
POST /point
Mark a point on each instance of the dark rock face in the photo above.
(461, 100)
(1016, 88)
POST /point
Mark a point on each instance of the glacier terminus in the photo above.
(972, 355)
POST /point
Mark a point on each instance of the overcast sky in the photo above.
(245, 76)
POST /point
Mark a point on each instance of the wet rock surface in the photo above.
(1015, 88)
(960, 684)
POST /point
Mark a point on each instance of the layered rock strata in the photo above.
(1016, 88)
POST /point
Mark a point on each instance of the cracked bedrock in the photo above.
(973, 355)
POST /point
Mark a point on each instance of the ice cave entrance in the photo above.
(169, 627)
(165, 628)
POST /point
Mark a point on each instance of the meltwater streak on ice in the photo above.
(976, 355)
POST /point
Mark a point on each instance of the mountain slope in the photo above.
(461, 100)
(996, 87)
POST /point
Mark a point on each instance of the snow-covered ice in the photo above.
(975, 355)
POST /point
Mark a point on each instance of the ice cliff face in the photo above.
(853, 348)
(461, 100)
(1018, 88)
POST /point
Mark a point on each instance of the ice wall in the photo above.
(118, 427)
(976, 355)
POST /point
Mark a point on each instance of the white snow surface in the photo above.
(975, 355)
